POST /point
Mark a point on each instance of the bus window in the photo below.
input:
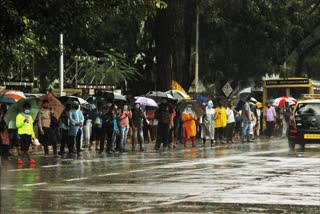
(275, 93)
(297, 92)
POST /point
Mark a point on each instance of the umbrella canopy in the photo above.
(8, 100)
(146, 101)
(159, 94)
(69, 99)
(244, 93)
(110, 96)
(280, 101)
(54, 104)
(17, 108)
(14, 94)
(197, 107)
(201, 99)
(178, 95)
(89, 106)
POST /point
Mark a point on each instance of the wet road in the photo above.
(253, 178)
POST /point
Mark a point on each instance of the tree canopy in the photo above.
(155, 40)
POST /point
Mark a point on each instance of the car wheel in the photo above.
(292, 144)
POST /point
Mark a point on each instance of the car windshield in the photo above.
(308, 109)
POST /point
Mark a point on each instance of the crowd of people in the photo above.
(108, 127)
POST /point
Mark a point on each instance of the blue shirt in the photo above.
(75, 116)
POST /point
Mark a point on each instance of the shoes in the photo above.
(60, 153)
(193, 145)
(20, 161)
(142, 149)
(57, 156)
(185, 145)
(133, 149)
(31, 161)
(110, 152)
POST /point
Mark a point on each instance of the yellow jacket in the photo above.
(189, 125)
(23, 126)
(221, 117)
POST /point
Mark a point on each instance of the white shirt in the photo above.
(230, 115)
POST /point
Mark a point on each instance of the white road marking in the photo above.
(109, 174)
(76, 179)
(35, 184)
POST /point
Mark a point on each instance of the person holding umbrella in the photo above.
(24, 124)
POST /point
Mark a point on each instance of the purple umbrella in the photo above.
(146, 101)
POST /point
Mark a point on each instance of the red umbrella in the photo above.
(280, 101)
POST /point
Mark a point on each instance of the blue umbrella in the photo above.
(201, 99)
(8, 100)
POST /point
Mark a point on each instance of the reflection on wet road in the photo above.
(253, 178)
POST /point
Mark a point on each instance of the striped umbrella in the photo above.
(280, 101)
(13, 94)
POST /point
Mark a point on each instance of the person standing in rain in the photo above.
(246, 120)
(258, 111)
(46, 132)
(207, 124)
(286, 114)
(230, 122)
(137, 125)
(220, 122)
(163, 116)
(76, 122)
(189, 118)
(271, 118)
(63, 128)
(4, 135)
(24, 124)
(125, 115)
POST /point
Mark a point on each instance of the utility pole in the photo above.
(61, 67)
(196, 79)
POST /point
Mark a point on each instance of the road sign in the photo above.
(227, 89)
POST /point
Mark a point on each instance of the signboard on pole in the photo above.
(227, 89)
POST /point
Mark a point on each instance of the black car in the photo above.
(304, 127)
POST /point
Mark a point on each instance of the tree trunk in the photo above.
(164, 46)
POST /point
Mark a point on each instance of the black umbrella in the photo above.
(110, 96)
(196, 106)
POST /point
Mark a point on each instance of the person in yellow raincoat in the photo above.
(221, 121)
(189, 118)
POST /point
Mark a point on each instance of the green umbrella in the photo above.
(17, 108)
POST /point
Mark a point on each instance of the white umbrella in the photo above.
(178, 95)
(244, 93)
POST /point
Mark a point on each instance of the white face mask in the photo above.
(125, 107)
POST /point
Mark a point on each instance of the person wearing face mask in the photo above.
(24, 124)
(46, 133)
(271, 118)
(189, 118)
(76, 119)
(137, 125)
(125, 115)
(207, 124)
